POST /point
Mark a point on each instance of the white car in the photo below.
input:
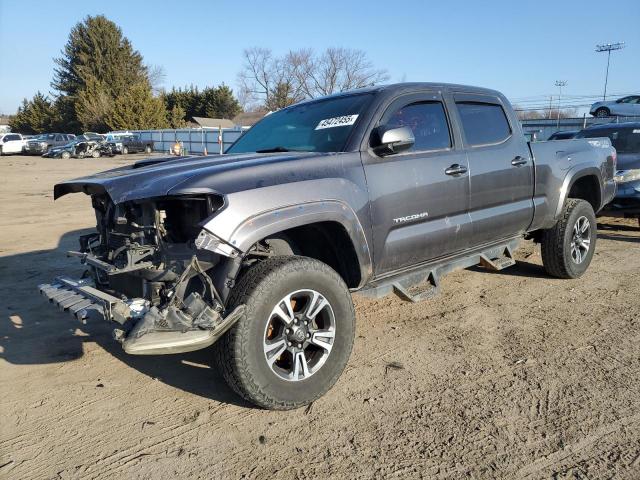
(11, 143)
(623, 107)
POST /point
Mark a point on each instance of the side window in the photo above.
(427, 121)
(58, 138)
(11, 137)
(483, 123)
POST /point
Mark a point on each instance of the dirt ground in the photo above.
(504, 375)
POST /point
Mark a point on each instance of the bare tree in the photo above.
(277, 82)
(156, 75)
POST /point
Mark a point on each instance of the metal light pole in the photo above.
(559, 84)
(608, 47)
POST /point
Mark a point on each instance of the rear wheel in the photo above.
(295, 337)
(602, 112)
(147, 149)
(568, 247)
(65, 155)
(125, 150)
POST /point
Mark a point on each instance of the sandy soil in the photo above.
(504, 375)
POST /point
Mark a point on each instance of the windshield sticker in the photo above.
(343, 121)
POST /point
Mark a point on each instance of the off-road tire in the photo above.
(125, 150)
(239, 353)
(603, 112)
(556, 241)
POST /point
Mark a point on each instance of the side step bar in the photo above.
(424, 283)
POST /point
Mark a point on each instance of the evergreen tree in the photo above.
(93, 106)
(97, 69)
(220, 103)
(137, 109)
(176, 117)
(37, 115)
(97, 50)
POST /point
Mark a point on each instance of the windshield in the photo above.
(320, 126)
(45, 136)
(624, 139)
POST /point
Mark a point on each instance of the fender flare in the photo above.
(573, 174)
(263, 224)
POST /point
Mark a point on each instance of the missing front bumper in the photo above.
(82, 300)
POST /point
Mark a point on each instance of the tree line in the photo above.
(101, 83)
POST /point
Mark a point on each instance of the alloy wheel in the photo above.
(299, 335)
(580, 240)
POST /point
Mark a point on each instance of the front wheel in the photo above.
(147, 149)
(125, 150)
(567, 248)
(295, 337)
(65, 155)
(602, 112)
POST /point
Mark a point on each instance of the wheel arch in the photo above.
(583, 183)
(326, 230)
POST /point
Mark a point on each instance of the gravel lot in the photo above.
(504, 375)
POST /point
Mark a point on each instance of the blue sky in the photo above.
(517, 47)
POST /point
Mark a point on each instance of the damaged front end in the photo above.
(153, 270)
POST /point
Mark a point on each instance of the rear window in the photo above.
(625, 140)
(483, 123)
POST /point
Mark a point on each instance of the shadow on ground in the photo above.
(33, 331)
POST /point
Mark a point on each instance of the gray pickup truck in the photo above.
(377, 191)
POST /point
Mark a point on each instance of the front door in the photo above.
(418, 197)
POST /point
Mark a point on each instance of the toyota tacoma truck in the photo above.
(378, 191)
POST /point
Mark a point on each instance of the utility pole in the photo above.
(608, 47)
(560, 84)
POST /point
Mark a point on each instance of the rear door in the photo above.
(500, 166)
(418, 210)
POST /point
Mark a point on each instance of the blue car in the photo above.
(625, 137)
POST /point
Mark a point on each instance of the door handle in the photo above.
(456, 169)
(518, 161)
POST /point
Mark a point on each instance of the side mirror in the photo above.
(394, 140)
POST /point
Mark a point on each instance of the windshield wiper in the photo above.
(273, 149)
(282, 149)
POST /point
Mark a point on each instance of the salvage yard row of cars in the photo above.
(66, 145)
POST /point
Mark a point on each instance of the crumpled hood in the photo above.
(158, 177)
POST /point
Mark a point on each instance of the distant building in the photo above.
(247, 119)
(204, 122)
(4, 124)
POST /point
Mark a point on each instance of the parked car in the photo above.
(625, 137)
(96, 137)
(626, 106)
(563, 135)
(80, 149)
(129, 143)
(11, 143)
(380, 190)
(44, 142)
